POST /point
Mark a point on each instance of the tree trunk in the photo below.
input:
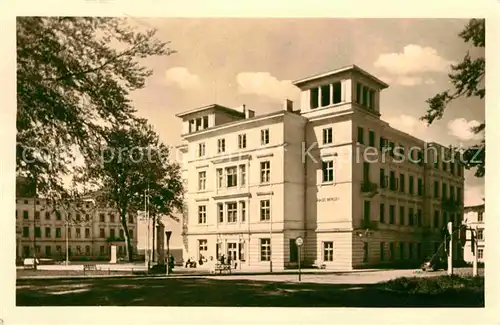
(127, 237)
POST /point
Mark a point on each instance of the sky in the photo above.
(253, 62)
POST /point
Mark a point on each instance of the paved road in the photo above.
(326, 290)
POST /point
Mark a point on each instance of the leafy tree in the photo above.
(133, 160)
(74, 76)
(467, 77)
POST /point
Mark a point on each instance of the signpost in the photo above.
(299, 241)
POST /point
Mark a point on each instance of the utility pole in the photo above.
(450, 249)
(474, 250)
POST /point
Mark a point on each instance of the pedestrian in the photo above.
(229, 259)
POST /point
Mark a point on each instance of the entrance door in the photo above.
(232, 250)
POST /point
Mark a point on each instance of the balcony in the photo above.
(451, 205)
(369, 188)
(369, 224)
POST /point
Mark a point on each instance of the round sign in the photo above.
(299, 241)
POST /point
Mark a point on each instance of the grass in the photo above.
(435, 285)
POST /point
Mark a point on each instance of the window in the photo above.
(111, 232)
(444, 191)
(392, 147)
(402, 251)
(382, 178)
(37, 215)
(436, 219)
(265, 210)
(391, 251)
(459, 195)
(202, 214)
(101, 250)
(243, 175)
(411, 185)
(383, 144)
(327, 171)
(382, 251)
(372, 99)
(392, 181)
(87, 217)
(243, 210)
(78, 250)
(420, 187)
(452, 168)
(102, 234)
(201, 149)
(361, 135)
(452, 192)
(419, 250)
(232, 250)
(337, 92)
(130, 219)
(78, 217)
(58, 215)
(25, 201)
(410, 216)
(220, 212)
(111, 217)
(202, 180)
(231, 177)
(242, 141)
(101, 217)
(365, 96)
(47, 232)
(402, 215)
(480, 216)
(48, 251)
(366, 211)
(265, 249)
(314, 94)
(328, 251)
(365, 252)
(221, 145)
(26, 232)
(78, 233)
(87, 232)
(58, 232)
(480, 234)
(220, 178)
(436, 189)
(410, 250)
(419, 217)
(121, 233)
(232, 212)
(401, 182)
(366, 172)
(265, 171)
(382, 212)
(325, 95)
(131, 233)
(445, 165)
(358, 93)
(58, 249)
(264, 136)
(87, 250)
(205, 122)
(47, 215)
(445, 218)
(37, 249)
(327, 136)
(69, 232)
(371, 138)
(480, 253)
(38, 232)
(392, 213)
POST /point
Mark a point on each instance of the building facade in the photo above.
(332, 172)
(84, 230)
(474, 218)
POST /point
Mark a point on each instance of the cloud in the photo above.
(181, 77)
(408, 80)
(461, 128)
(473, 195)
(264, 84)
(409, 124)
(413, 60)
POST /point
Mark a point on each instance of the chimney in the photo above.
(245, 110)
(288, 105)
(249, 113)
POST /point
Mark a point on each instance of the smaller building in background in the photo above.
(474, 218)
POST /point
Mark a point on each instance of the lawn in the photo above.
(409, 292)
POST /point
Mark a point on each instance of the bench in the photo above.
(222, 268)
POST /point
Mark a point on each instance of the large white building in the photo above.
(474, 217)
(257, 182)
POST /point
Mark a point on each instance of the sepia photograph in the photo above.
(250, 162)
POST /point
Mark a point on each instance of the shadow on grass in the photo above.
(213, 292)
